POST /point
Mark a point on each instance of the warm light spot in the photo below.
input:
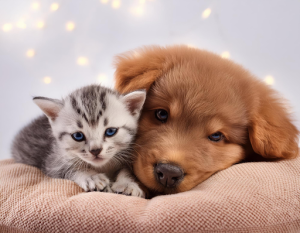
(116, 4)
(7, 27)
(142, 1)
(40, 24)
(21, 25)
(138, 10)
(104, 1)
(225, 55)
(191, 46)
(206, 13)
(101, 78)
(54, 6)
(269, 80)
(82, 61)
(30, 53)
(24, 18)
(47, 80)
(35, 5)
(70, 26)
(136, 54)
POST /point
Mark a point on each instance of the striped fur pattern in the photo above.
(47, 142)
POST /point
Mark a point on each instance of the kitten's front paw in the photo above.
(97, 182)
(128, 188)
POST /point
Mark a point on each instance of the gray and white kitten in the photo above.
(86, 138)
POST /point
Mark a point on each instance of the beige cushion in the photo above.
(250, 197)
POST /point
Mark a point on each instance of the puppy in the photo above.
(202, 114)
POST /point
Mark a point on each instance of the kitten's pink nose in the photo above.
(96, 152)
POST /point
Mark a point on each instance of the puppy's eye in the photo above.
(161, 115)
(216, 137)
(78, 136)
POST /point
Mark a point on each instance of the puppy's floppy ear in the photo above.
(140, 68)
(272, 134)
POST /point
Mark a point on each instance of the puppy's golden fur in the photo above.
(203, 94)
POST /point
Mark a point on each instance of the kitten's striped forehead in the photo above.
(91, 102)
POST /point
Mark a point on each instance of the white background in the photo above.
(262, 35)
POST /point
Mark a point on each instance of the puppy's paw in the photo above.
(96, 182)
(128, 188)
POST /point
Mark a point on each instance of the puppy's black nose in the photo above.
(96, 152)
(168, 175)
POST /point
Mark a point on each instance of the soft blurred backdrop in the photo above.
(50, 47)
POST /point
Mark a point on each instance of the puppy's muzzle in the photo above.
(168, 175)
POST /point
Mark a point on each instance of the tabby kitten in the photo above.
(85, 137)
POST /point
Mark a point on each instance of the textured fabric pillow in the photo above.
(250, 197)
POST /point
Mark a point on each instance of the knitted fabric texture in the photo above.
(249, 197)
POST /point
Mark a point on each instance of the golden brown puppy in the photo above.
(202, 114)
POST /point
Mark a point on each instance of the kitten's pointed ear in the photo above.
(135, 101)
(51, 107)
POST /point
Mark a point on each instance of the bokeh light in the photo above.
(30, 53)
(191, 46)
(82, 61)
(70, 26)
(136, 54)
(225, 55)
(21, 24)
(35, 5)
(40, 24)
(116, 4)
(54, 6)
(206, 13)
(269, 80)
(101, 78)
(138, 10)
(47, 80)
(7, 27)
(104, 1)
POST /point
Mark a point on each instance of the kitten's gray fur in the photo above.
(46, 143)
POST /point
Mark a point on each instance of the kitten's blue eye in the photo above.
(215, 137)
(78, 136)
(110, 132)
